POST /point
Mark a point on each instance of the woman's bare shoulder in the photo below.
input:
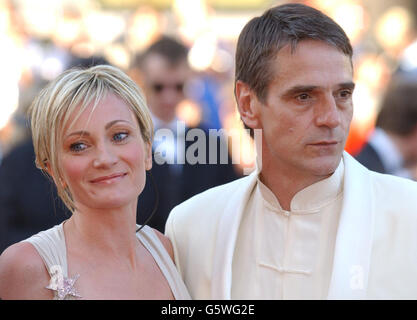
(23, 274)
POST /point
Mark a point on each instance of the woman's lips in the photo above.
(109, 178)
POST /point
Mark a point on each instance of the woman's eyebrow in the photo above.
(78, 133)
(86, 133)
(111, 123)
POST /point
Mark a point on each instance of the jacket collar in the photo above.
(352, 255)
(226, 238)
(353, 242)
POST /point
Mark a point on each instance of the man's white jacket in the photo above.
(376, 245)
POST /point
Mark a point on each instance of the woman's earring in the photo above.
(63, 183)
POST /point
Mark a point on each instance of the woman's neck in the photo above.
(109, 233)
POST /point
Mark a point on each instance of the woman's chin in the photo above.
(110, 203)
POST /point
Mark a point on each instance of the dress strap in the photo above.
(50, 245)
(150, 240)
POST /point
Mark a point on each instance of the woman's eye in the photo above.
(120, 136)
(78, 147)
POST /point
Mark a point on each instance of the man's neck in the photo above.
(166, 122)
(401, 144)
(163, 118)
(285, 184)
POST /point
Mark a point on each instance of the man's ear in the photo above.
(148, 156)
(248, 105)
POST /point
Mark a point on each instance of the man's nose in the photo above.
(170, 94)
(104, 156)
(328, 113)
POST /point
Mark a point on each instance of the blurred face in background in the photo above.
(163, 84)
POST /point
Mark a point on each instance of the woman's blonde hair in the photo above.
(79, 89)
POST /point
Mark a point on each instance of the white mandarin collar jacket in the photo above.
(204, 229)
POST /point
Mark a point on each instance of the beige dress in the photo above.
(51, 246)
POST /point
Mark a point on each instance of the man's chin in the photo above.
(326, 166)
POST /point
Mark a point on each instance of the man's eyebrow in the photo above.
(298, 89)
(347, 85)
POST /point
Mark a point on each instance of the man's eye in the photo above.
(120, 136)
(345, 93)
(303, 96)
(78, 147)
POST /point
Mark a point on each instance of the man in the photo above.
(163, 71)
(392, 146)
(311, 222)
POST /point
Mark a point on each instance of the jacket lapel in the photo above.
(354, 235)
(226, 238)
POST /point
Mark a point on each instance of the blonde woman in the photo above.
(92, 135)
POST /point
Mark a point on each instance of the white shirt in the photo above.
(288, 255)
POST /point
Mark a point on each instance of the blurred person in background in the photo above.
(392, 146)
(311, 222)
(163, 71)
(29, 202)
(92, 135)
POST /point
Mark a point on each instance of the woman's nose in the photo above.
(104, 157)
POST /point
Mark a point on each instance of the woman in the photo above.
(92, 134)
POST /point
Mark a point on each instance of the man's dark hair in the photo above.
(169, 48)
(398, 112)
(262, 38)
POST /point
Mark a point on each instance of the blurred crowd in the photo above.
(43, 38)
(40, 39)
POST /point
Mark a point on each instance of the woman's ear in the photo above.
(48, 169)
(148, 156)
(248, 105)
(51, 174)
